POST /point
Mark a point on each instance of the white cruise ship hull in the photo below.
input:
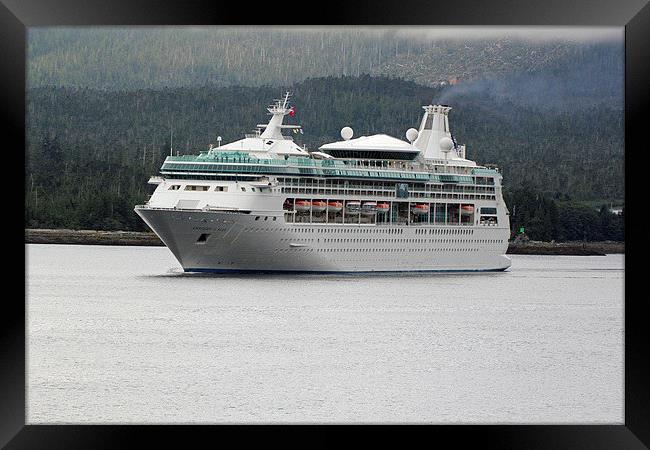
(231, 241)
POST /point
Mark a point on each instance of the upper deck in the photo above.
(229, 163)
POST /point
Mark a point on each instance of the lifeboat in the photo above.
(302, 205)
(467, 209)
(383, 207)
(369, 208)
(353, 206)
(334, 206)
(318, 205)
(420, 208)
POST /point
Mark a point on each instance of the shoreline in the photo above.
(595, 248)
(144, 238)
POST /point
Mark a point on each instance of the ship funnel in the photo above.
(434, 128)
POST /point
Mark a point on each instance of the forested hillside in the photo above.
(91, 151)
(159, 57)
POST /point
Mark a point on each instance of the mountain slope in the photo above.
(131, 58)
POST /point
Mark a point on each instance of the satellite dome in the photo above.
(446, 144)
(411, 134)
(346, 133)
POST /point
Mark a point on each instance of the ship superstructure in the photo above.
(368, 204)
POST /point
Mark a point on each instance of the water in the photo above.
(121, 335)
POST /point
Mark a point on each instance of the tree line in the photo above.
(544, 218)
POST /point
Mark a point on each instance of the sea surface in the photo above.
(122, 335)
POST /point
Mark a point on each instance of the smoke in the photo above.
(586, 80)
(480, 87)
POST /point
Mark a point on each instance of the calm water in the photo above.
(121, 335)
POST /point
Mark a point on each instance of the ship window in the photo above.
(221, 188)
(203, 238)
(174, 187)
(243, 189)
(429, 122)
(489, 220)
(190, 187)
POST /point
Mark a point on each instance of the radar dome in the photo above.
(411, 134)
(346, 133)
(446, 144)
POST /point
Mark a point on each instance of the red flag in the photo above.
(292, 111)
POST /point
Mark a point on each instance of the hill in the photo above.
(131, 58)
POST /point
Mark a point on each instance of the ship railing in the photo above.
(378, 164)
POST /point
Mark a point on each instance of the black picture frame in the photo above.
(634, 15)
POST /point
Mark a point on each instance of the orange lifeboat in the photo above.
(318, 205)
(383, 207)
(302, 205)
(334, 206)
(420, 208)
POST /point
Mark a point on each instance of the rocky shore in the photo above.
(94, 237)
(566, 248)
(91, 237)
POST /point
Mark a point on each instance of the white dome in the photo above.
(346, 133)
(446, 144)
(411, 134)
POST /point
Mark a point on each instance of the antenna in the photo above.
(280, 105)
(286, 99)
(171, 136)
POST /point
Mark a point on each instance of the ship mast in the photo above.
(273, 130)
(277, 110)
(286, 100)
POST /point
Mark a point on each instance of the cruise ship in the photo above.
(367, 204)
